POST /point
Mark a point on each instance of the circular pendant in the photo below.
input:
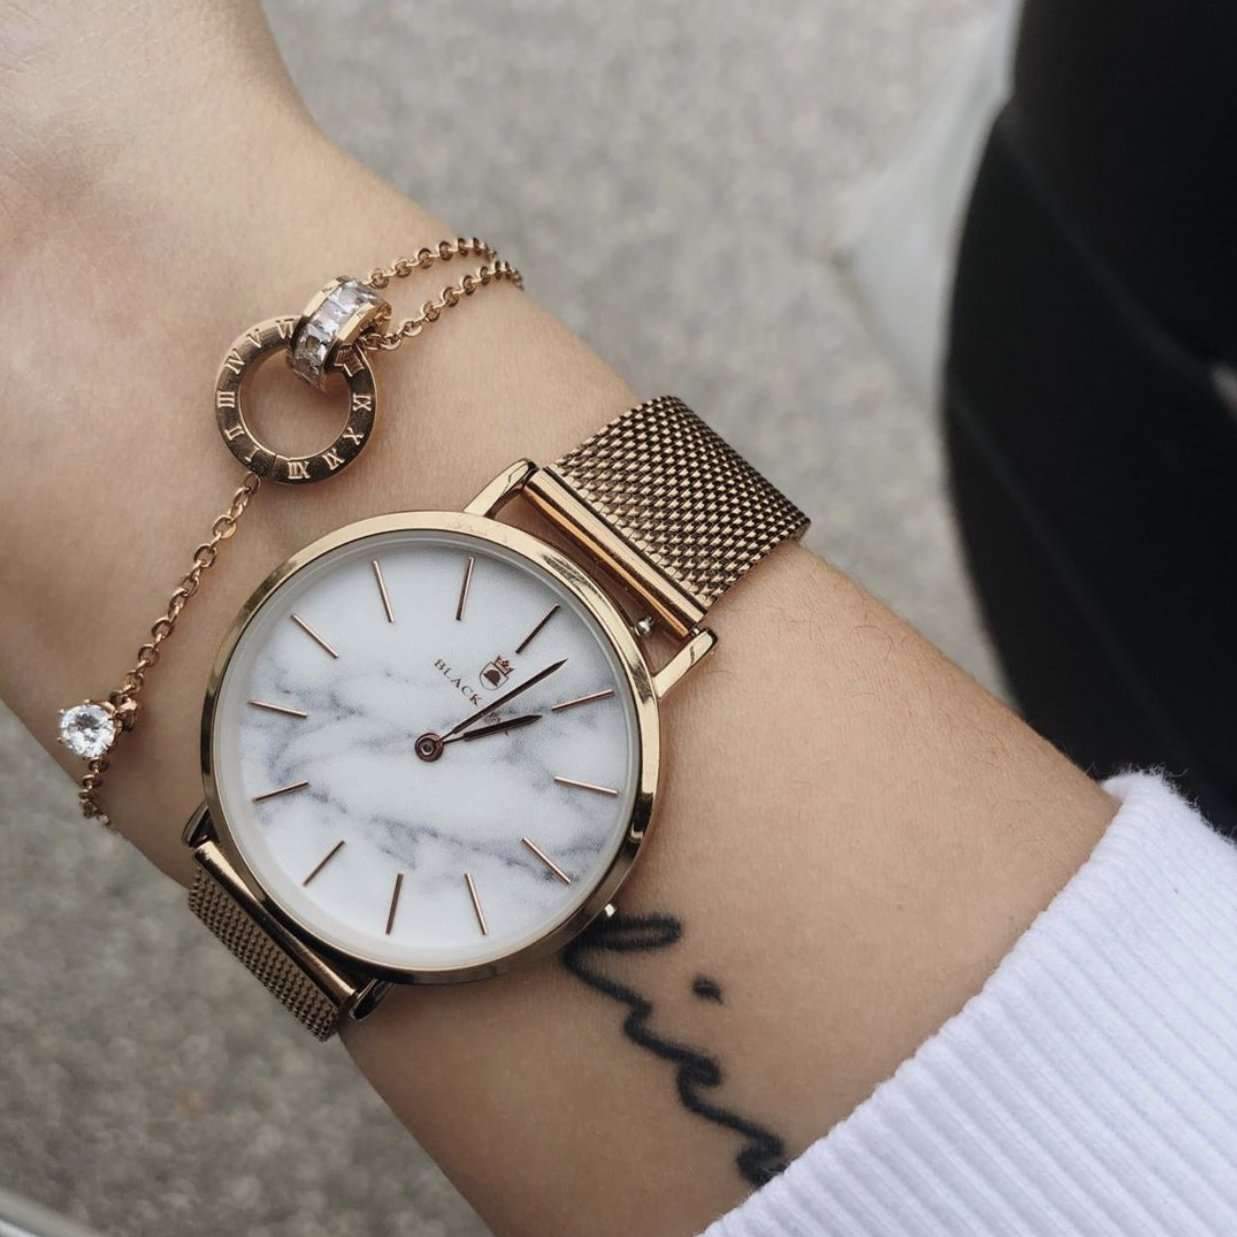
(250, 349)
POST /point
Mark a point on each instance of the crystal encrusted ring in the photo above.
(333, 319)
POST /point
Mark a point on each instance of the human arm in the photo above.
(817, 778)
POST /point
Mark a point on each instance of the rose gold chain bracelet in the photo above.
(343, 323)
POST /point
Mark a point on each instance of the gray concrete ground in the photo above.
(668, 178)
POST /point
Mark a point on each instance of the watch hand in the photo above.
(501, 700)
(512, 723)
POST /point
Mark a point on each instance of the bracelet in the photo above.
(343, 323)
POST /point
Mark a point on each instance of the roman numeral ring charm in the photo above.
(323, 339)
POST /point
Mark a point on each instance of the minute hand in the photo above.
(501, 700)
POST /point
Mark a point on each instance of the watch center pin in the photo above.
(428, 746)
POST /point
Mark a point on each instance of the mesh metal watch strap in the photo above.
(239, 929)
(682, 496)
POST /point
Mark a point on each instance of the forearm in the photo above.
(851, 832)
(851, 837)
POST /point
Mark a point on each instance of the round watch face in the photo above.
(429, 746)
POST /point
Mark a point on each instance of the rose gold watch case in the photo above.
(636, 671)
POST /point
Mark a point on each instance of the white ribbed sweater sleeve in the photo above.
(1089, 1088)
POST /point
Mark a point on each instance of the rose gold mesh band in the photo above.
(274, 966)
(682, 496)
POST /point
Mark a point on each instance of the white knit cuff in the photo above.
(1089, 1088)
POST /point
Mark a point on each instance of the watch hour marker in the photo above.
(549, 863)
(313, 635)
(571, 704)
(598, 790)
(476, 903)
(382, 590)
(399, 884)
(281, 790)
(277, 708)
(467, 584)
(536, 631)
(330, 854)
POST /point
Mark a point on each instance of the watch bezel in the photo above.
(636, 672)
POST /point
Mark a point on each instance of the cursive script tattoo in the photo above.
(763, 1154)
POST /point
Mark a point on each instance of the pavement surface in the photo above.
(669, 178)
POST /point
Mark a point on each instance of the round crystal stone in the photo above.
(87, 730)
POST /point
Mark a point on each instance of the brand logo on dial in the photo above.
(496, 673)
(456, 681)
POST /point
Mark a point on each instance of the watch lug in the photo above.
(502, 489)
(198, 828)
(340, 987)
(702, 643)
(666, 597)
(368, 999)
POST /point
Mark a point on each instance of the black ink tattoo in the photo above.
(764, 1154)
(707, 989)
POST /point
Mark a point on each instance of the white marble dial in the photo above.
(484, 840)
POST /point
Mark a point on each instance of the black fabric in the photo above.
(1128, 109)
(1092, 462)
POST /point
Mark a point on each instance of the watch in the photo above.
(431, 740)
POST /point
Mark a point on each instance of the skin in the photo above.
(852, 832)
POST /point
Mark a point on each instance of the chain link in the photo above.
(492, 269)
(124, 699)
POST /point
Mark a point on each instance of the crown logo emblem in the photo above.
(496, 673)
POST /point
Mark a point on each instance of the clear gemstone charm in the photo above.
(333, 319)
(88, 729)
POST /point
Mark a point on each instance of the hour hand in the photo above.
(511, 723)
